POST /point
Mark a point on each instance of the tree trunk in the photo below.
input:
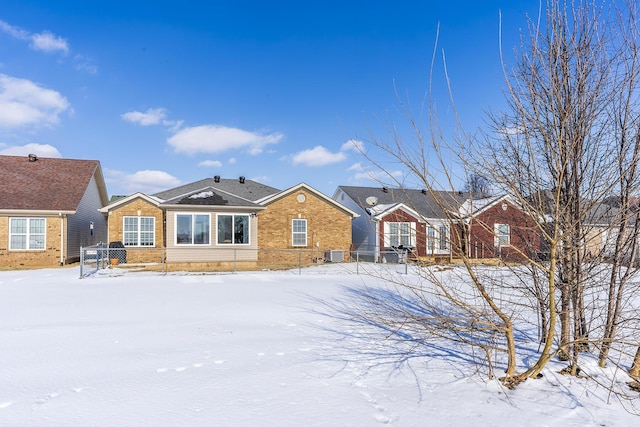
(634, 372)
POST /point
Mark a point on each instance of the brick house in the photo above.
(496, 227)
(49, 209)
(304, 218)
(436, 225)
(219, 222)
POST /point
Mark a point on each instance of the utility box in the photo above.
(334, 256)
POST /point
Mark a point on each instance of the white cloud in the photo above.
(356, 167)
(145, 181)
(218, 139)
(85, 64)
(45, 41)
(23, 102)
(317, 156)
(232, 161)
(49, 42)
(15, 32)
(211, 164)
(353, 144)
(153, 116)
(42, 150)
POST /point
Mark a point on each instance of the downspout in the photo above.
(61, 239)
(377, 250)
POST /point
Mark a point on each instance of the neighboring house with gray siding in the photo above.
(49, 208)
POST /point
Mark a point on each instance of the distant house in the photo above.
(392, 220)
(49, 209)
(496, 227)
(215, 222)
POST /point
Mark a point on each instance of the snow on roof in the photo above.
(378, 209)
(202, 195)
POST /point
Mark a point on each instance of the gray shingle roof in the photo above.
(419, 200)
(248, 190)
(210, 196)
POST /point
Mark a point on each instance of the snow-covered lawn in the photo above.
(246, 349)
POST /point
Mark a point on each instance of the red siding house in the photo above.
(436, 224)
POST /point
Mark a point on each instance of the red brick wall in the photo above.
(525, 238)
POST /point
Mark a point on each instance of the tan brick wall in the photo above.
(327, 227)
(50, 257)
(137, 207)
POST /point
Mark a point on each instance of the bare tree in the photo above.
(478, 184)
(570, 95)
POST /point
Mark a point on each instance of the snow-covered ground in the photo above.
(246, 349)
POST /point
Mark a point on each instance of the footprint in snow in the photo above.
(180, 368)
(160, 370)
(45, 399)
(219, 362)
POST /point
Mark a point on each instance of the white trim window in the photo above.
(193, 229)
(27, 234)
(233, 229)
(431, 239)
(299, 232)
(138, 230)
(443, 234)
(399, 233)
(502, 234)
(437, 239)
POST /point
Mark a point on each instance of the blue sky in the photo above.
(165, 93)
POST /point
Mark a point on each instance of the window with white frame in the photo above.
(27, 233)
(193, 229)
(233, 229)
(437, 238)
(502, 235)
(399, 233)
(443, 234)
(431, 239)
(139, 231)
(299, 232)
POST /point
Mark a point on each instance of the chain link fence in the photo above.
(116, 255)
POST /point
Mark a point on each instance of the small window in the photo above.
(437, 240)
(139, 231)
(27, 233)
(233, 229)
(502, 235)
(299, 232)
(431, 239)
(193, 229)
(444, 237)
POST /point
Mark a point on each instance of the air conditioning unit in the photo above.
(334, 256)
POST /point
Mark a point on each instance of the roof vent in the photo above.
(385, 190)
(424, 191)
(241, 179)
(33, 157)
(216, 178)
